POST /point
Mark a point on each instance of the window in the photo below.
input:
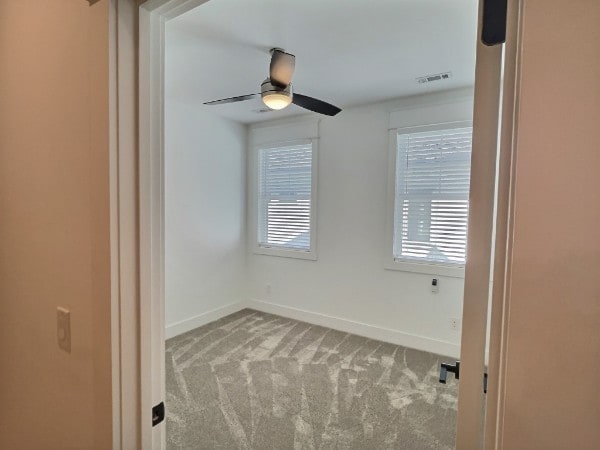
(431, 195)
(285, 199)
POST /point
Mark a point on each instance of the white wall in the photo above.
(210, 269)
(204, 216)
(348, 287)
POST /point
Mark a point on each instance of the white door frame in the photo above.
(153, 14)
(124, 235)
(137, 181)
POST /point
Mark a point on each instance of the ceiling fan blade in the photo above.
(282, 67)
(240, 98)
(314, 104)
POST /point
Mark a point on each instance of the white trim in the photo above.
(153, 14)
(426, 268)
(283, 130)
(252, 184)
(389, 335)
(434, 108)
(285, 252)
(123, 223)
(438, 126)
(433, 98)
(389, 261)
(183, 326)
(274, 144)
(151, 58)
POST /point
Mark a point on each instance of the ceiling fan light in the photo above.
(277, 100)
(275, 97)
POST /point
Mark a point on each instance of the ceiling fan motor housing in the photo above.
(267, 88)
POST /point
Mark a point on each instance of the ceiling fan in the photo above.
(276, 91)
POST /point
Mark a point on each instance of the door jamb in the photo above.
(123, 199)
(500, 305)
(153, 15)
(480, 232)
(132, 246)
(492, 424)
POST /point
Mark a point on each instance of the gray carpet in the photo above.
(258, 381)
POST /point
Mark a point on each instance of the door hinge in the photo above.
(158, 413)
(493, 30)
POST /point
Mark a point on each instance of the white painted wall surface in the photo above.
(204, 216)
(348, 287)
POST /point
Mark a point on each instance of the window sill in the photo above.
(426, 268)
(285, 253)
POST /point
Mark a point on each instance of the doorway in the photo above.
(153, 215)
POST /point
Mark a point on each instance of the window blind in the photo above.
(284, 200)
(432, 196)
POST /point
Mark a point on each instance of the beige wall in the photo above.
(553, 366)
(54, 224)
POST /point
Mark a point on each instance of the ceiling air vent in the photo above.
(434, 77)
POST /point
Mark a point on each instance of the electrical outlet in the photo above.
(435, 285)
(455, 324)
(63, 329)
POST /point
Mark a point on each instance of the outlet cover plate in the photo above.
(455, 324)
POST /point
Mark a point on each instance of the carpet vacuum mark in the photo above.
(257, 381)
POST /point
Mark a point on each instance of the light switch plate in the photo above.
(63, 328)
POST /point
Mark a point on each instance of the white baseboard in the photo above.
(337, 323)
(177, 328)
(362, 329)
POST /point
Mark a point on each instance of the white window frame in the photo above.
(391, 263)
(254, 178)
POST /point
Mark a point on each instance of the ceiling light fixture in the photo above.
(275, 97)
(276, 91)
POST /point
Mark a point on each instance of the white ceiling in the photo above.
(348, 52)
